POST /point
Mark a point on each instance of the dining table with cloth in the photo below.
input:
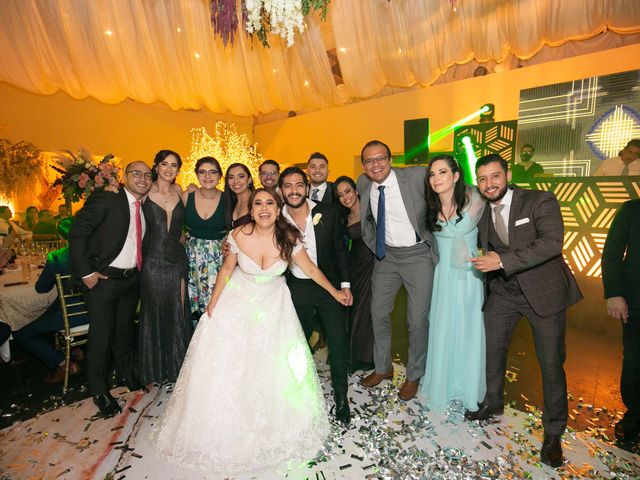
(20, 304)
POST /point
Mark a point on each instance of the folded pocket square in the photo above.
(522, 221)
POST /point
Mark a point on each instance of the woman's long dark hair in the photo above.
(286, 234)
(434, 207)
(229, 198)
(344, 211)
(160, 156)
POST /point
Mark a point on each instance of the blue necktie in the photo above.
(381, 249)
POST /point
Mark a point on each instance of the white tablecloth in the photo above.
(21, 304)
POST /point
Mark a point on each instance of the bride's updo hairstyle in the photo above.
(286, 234)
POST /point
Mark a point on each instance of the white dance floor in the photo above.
(387, 439)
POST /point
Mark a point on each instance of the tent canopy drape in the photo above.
(165, 51)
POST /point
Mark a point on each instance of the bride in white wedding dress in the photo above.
(248, 396)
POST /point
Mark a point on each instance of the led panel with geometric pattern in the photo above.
(588, 208)
(486, 138)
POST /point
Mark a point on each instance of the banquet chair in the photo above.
(73, 305)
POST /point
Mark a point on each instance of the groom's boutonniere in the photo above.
(316, 219)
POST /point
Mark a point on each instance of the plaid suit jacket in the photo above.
(536, 235)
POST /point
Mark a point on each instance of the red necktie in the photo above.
(138, 236)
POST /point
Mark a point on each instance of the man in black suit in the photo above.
(318, 169)
(105, 248)
(621, 278)
(322, 237)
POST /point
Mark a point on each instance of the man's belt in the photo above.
(120, 272)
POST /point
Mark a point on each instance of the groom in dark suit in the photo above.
(393, 215)
(105, 249)
(323, 240)
(522, 233)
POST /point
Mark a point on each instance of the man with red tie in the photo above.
(105, 246)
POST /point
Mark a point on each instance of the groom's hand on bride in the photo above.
(487, 263)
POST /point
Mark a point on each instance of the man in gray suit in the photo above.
(392, 214)
(522, 233)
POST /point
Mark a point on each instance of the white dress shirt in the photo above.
(506, 201)
(127, 256)
(398, 229)
(308, 241)
(612, 167)
(321, 189)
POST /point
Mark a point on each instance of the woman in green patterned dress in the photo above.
(205, 222)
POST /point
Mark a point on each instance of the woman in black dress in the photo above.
(165, 321)
(361, 269)
(238, 185)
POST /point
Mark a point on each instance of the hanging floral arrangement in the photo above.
(260, 17)
(81, 174)
(19, 164)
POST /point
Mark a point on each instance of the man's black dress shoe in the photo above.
(132, 383)
(551, 451)
(627, 430)
(107, 405)
(343, 413)
(485, 412)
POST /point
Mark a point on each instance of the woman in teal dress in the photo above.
(204, 218)
(455, 367)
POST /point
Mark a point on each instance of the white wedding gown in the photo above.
(248, 396)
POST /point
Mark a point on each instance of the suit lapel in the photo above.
(406, 199)
(484, 226)
(516, 204)
(123, 206)
(365, 204)
(320, 233)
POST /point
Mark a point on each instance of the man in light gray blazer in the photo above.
(393, 219)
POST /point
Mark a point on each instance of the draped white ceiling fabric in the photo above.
(165, 51)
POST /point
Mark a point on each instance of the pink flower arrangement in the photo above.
(81, 175)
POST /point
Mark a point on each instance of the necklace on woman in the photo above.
(165, 196)
(451, 211)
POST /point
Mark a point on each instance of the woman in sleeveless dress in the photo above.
(248, 396)
(238, 185)
(204, 218)
(361, 261)
(455, 367)
(165, 322)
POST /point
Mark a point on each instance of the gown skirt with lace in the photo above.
(248, 396)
